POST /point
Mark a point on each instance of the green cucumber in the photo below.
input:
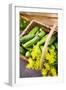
(41, 30)
(42, 41)
(34, 30)
(26, 38)
(53, 38)
(56, 45)
(28, 54)
(34, 40)
(31, 42)
(22, 50)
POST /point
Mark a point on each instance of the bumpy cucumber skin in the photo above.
(22, 51)
(42, 40)
(34, 30)
(56, 45)
(28, 54)
(34, 40)
(26, 38)
(31, 42)
(53, 38)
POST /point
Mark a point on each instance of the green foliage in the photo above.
(23, 24)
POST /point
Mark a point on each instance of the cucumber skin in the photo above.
(34, 40)
(28, 54)
(53, 38)
(42, 40)
(26, 38)
(56, 45)
(34, 30)
(31, 42)
(22, 51)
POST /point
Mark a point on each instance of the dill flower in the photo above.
(47, 66)
(30, 64)
(53, 71)
(44, 72)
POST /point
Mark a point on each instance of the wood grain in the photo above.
(45, 18)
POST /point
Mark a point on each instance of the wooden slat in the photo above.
(45, 18)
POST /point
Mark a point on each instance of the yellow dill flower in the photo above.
(50, 55)
(53, 71)
(30, 64)
(36, 52)
(44, 72)
(34, 61)
(37, 64)
(47, 66)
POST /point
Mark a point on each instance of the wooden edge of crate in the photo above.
(31, 24)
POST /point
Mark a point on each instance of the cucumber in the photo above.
(34, 40)
(41, 34)
(22, 50)
(53, 38)
(34, 30)
(56, 45)
(26, 38)
(41, 30)
(31, 42)
(42, 41)
(28, 54)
